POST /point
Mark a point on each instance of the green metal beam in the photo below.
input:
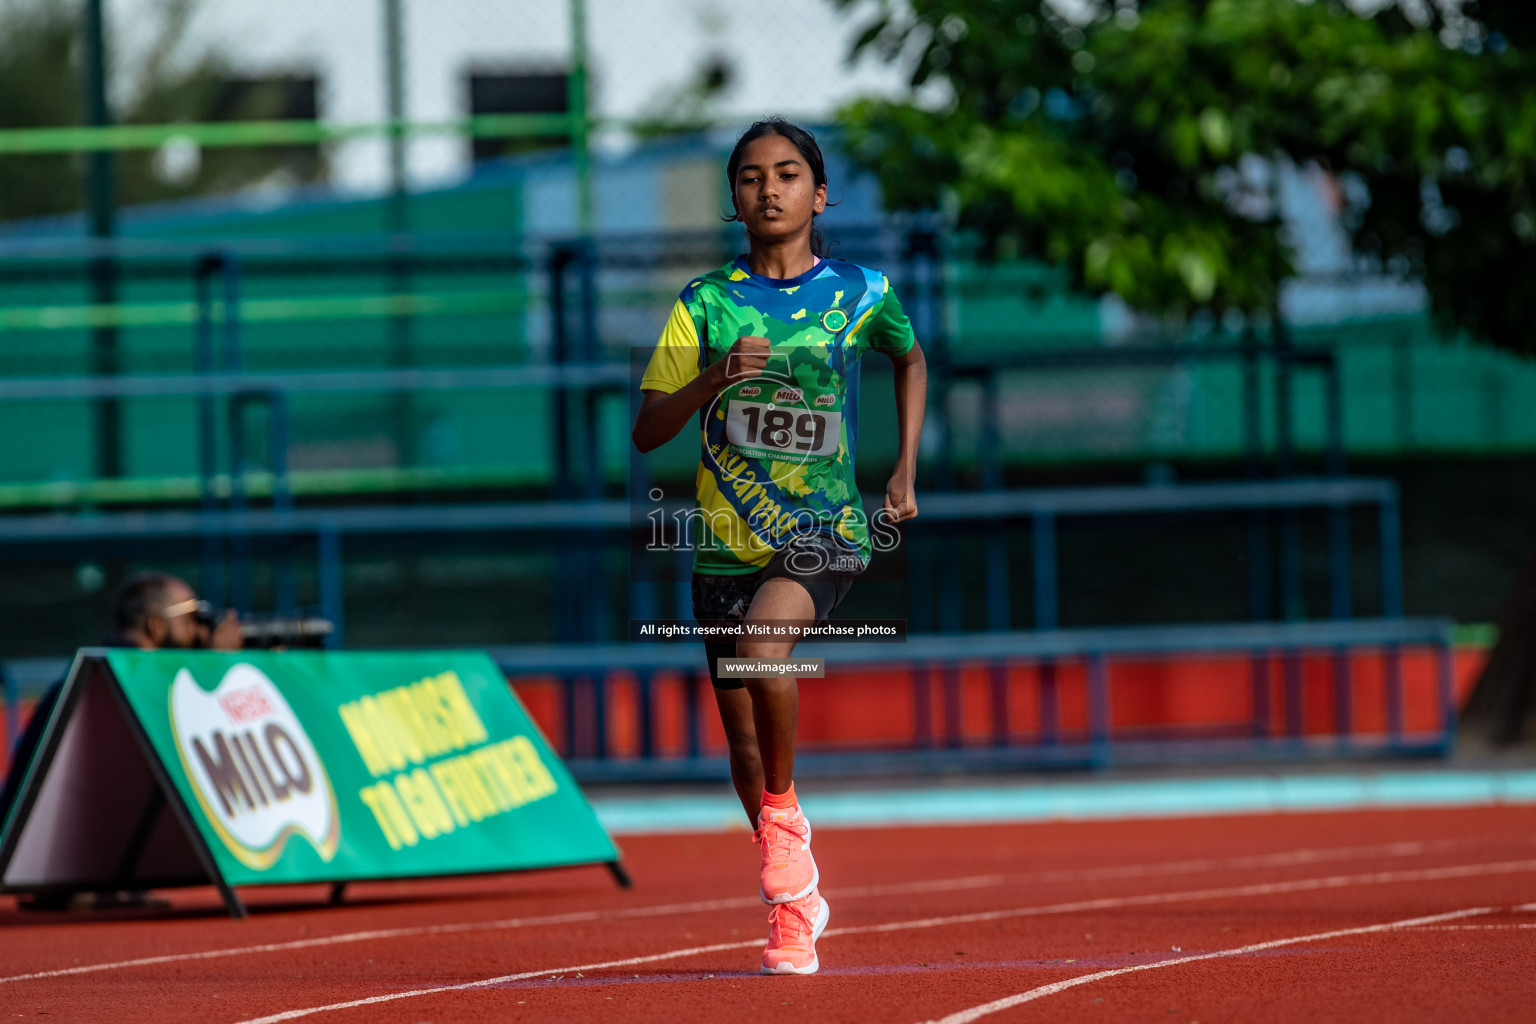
(214, 135)
(232, 134)
(342, 307)
(346, 307)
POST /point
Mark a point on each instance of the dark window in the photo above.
(273, 98)
(516, 93)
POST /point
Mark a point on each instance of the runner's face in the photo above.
(774, 192)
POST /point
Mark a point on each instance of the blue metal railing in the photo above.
(612, 522)
(586, 673)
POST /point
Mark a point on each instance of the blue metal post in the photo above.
(1253, 450)
(954, 705)
(1290, 664)
(1446, 668)
(1391, 559)
(229, 265)
(1293, 606)
(919, 579)
(572, 733)
(1099, 709)
(593, 596)
(285, 586)
(951, 597)
(995, 547)
(1338, 515)
(1393, 656)
(559, 353)
(695, 684)
(586, 255)
(1343, 696)
(569, 619)
(1340, 584)
(1044, 536)
(332, 597)
(922, 708)
(1258, 565)
(213, 584)
(645, 696)
(1050, 704)
(239, 543)
(1001, 731)
(1259, 681)
(1292, 600)
(648, 527)
(682, 587)
(991, 435)
(600, 714)
(999, 614)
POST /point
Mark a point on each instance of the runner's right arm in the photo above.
(673, 387)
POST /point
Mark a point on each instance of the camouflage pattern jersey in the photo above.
(776, 451)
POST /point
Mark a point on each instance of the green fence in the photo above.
(1406, 389)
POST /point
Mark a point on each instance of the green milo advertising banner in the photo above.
(330, 766)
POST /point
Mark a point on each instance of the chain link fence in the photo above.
(393, 186)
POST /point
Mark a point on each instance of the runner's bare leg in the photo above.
(776, 699)
(741, 742)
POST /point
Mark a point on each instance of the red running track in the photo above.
(1361, 917)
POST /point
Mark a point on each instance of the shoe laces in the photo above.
(784, 917)
(779, 837)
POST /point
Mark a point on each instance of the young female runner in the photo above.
(765, 353)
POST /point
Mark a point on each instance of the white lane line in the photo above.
(1401, 849)
(1261, 889)
(1008, 1002)
(506, 978)
(1473, 927)
(576, 917)
(1184, 867)
(1300, 885)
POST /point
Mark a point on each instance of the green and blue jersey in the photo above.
(777, 451)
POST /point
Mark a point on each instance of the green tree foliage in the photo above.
(1133, 147)
(41, 78)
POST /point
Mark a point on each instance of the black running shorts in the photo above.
(821, 563)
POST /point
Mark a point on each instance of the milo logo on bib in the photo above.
(783, 422)
(257, 777)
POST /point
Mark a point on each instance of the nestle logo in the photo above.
(825, 400)
(787, 395)
(749, 391)
(245, 705)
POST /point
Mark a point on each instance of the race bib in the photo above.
(784, 425)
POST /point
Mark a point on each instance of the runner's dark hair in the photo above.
(802, 140)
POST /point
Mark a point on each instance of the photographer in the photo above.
(153, 611)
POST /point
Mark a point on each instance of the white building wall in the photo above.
(787, 58)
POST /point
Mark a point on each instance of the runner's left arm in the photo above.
(889, 331)
(911, 398)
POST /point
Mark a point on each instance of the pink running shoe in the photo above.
(789, 871)
(793, 929)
